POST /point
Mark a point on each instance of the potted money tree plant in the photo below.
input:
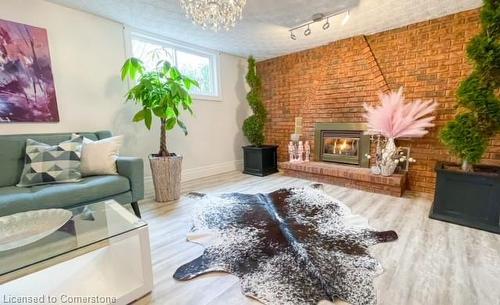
(162, 93)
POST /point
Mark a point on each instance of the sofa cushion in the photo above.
(14, 199)
(99, 157)
(45, 164)
(12, 151)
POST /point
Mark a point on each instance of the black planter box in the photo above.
(469, 199)
(260, 161)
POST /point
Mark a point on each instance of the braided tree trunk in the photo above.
(163, 140)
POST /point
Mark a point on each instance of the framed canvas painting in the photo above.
(27, 91)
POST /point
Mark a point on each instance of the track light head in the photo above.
(307, 32)
(292, 36)
(326, 25)
(346, 18)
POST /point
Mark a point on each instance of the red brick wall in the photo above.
(331, 83)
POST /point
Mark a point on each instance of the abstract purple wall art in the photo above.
(27, 91)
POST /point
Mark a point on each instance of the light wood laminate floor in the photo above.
(432, 263)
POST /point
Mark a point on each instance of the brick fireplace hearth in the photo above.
(339, 159)
(348, 176)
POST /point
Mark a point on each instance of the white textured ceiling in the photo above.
(263, 31)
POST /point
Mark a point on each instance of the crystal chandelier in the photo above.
(214, 14)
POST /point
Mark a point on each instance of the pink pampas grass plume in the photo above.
(394, 118)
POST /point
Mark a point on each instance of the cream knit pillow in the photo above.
(99, 157)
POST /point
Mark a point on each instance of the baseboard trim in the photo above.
(210, 170)
(205, 171)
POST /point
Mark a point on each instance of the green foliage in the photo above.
(490, 17)
(162, 93)
(467, 136)
(253, 127)
(464, 139)
(475, 95)
(485, 51)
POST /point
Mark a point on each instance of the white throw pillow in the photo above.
(99, 157)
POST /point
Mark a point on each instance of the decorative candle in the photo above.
(298, 125)
(295, 137)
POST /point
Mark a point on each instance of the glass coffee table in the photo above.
(100, 256)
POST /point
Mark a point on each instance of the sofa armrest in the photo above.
(133, 169)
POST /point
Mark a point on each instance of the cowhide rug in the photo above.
(294, 246)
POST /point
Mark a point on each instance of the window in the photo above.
(200, 65)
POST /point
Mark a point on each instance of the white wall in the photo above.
(87, 53)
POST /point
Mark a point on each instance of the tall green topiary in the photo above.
(478, 96)
(253, 127)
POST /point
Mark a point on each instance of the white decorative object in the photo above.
(214, 14)
(295, 137)
(300, 152)
(307, 148)
(388, 169)
(403, 154)
(375, 169)
(298, 125)
(388, 163)
(291, 151)
(24, 228)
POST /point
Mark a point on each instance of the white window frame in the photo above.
(214, 57)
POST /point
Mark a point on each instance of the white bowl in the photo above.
(24, 228)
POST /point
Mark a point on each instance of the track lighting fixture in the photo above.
(318, 18)
(307, 32)
(326, 25)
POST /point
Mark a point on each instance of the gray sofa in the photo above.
(125, 188)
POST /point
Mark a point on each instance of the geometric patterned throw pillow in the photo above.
(44, 163)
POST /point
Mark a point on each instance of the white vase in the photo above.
(375, 169)
(387, 164)
(388, 170)
(390, 147)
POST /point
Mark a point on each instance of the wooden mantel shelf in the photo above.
(346, 175)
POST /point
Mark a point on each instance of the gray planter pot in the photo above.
(468, 199)
(166, 172)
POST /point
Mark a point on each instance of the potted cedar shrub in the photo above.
(469, 194)
(162, 93)
(258, 159)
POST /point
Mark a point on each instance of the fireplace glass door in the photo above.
(342, 147)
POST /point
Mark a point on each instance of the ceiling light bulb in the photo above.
(326, 25)
(292, 36)
(346, 18)
(307, 32)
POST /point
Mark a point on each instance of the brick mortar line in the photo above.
(378, 70)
